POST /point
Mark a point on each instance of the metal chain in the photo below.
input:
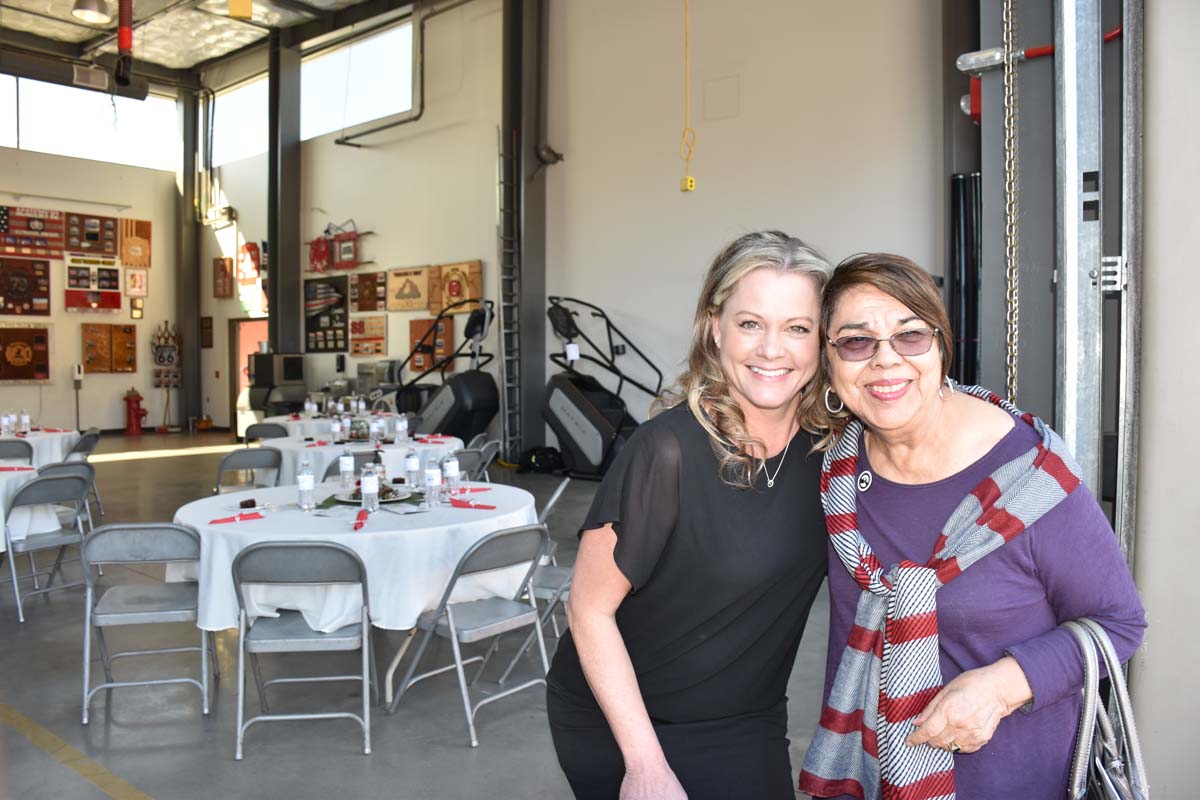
(1012, 272)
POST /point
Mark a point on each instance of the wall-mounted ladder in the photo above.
(508, 250)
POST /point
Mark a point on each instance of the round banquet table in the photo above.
(308, 425)
(409, 558)
(50, 445)
(25, 520)
(430, 450)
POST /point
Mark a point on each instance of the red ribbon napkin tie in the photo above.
(15, 469)
(318, 443)
(236, 518)
(360, 519)
(454, 501)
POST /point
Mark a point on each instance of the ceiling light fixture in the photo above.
(93, 12)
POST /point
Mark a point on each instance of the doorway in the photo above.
(244, 336)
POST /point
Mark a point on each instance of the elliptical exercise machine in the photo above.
(466, 402)
(591, 423)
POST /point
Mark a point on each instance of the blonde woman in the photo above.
(702, 553)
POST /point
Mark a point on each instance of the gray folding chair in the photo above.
(305, 563)
(84, 470)
(479, 620)
(477, 441)
(250, 458)
(140, 603)
(16, 450)
(490, 451)
(67, 489)
(470, 463)
(265, 430)
(80, 452)
(361, 459)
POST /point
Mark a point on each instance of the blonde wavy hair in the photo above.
(704, 385)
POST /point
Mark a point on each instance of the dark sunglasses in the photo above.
(906, 343)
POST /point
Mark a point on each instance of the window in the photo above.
(369, 79)
(74, 122)
(240, 123)
(8, 111)
(366, 80)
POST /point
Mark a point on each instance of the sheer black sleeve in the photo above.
(640, 497)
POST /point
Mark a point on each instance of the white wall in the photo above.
(150, 194)
(821, 119)
(1164, 685)
(427, 189)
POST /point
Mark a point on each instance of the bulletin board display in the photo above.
(24, 287)
(90, 234)
(135, 243)
(31, 232)
(368, 292)
(408, 289)
(368, 335)
(93, 283)
(96, 339)
(325, 315)
(441, 344)
(450, 283)
(24, 353)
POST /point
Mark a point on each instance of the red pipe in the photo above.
(125, 27)
(1048, 49)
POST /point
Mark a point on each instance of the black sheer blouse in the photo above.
(723, 578)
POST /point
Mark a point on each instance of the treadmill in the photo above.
(591, 422)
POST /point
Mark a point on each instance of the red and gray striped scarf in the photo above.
(889, 670)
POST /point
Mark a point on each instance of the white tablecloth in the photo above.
(49, 448)
(409, 558)
(319, 457)
(25, 520)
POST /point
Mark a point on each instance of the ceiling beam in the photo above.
(155, 73)
(20, 40)
(201, 66)
(261, 26)
(302, 8)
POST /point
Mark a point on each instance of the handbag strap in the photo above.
(1117, 734)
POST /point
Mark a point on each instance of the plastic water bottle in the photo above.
(305, 485)
(412, 470)
(346, 471)
(376, 429)
(451, 476)
(433, 486)
(402, 427)
(362, 405)
(346, 426)
(370, 488)
(24, 421)
(335, 429)
(6, 426)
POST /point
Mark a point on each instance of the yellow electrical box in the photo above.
(241, 9)
(687, 184)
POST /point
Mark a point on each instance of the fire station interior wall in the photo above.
(820, 119)
(150, 195)
(426, 189)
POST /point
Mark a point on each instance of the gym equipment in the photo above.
(465, 403)
(592, 423)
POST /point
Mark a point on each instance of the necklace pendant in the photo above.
(770, 483)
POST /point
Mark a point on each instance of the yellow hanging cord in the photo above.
(687, 145)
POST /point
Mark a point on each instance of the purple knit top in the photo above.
(1066, 565)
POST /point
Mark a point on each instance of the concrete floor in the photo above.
(153, 741)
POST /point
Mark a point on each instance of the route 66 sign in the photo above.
(166, 355)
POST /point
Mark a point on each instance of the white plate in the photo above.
(397, 496)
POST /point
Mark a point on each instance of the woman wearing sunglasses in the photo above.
(702, 554)
(960, 537)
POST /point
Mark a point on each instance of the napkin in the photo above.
(295, 417)
(360, 519)
(318, 443)
(454, 501)
(55, 430)
(15, 469)
(236, 518)
(433, 439)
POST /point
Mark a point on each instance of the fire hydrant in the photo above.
(133, 413)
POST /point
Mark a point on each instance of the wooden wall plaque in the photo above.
(442, 344)
(124, 348)
(97, 347)
(25, 354)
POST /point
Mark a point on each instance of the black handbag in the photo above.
(1107, 764)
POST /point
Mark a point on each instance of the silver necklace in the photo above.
(771, 478)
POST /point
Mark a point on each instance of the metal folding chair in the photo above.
(478, 620)
(307, 563)
(84, 470)
(250, 458)
(477, 441)
(16, 450)
(140, 603)
(67, 489)
(264, 430)
(80, 451)
(361, 459)
(470, 463)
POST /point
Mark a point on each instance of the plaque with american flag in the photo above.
(31, 232)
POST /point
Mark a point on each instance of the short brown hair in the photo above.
(897, 277)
